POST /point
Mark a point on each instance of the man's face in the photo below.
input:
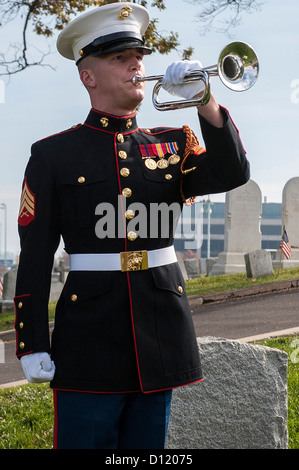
(113, 75)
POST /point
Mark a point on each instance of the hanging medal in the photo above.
(162, 163)
(174, 159)
(150, 163)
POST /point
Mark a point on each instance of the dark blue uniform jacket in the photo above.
(114, 331)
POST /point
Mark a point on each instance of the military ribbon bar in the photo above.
(158, 150)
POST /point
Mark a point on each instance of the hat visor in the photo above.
(122, 47)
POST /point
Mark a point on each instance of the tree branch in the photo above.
(20, 60)
(213, 14)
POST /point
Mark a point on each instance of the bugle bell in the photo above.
(237, 68)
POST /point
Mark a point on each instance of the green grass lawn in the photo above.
(291, 347)
(212, 284)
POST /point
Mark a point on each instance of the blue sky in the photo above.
(39, 101)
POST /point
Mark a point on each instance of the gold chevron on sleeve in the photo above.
(27, 205)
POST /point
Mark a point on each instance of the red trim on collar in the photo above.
(113, 115)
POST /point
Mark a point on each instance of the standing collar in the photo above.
(110, 123)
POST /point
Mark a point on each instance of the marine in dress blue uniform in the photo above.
(123, 335)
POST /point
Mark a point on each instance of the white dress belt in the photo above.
(125, 261)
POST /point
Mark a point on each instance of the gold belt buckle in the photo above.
(133, 260)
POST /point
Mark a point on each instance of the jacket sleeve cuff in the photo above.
(23, 325)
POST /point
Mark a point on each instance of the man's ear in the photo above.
(87, 78)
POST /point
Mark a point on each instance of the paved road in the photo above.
(246, 317)
(232, 319)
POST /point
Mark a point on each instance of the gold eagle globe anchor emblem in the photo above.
(124, 13)
(134, 260)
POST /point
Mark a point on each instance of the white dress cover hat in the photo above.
(108, 28)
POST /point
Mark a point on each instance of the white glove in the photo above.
(38, 367)
(172, 80)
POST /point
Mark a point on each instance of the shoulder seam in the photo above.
(73, 128)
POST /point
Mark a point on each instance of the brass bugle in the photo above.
(237, 68)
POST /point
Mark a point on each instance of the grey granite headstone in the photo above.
(209, 264)
(192, 267)
(9, 284)
(258, 263)
(9, 287)
(241, 404)
(242, 228)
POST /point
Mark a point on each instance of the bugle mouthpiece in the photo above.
(137, 79)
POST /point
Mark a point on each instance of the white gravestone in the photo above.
(242, 229)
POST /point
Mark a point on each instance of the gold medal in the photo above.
(150, 164)
(162, 164)
(174, 159)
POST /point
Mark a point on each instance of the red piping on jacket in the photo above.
(128, 278)
(127, 391)
(113, 115)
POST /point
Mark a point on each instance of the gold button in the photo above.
(74, 298)
(81, 179)
(168, 176)
(129, 214)
(180, 289)
(120, 138)
(81, 52)
(129, 123)
(122, 154)
(21, 325)
(125, 172)
(22, 345)
(20, 304)
(132, 236)
(127, 192)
